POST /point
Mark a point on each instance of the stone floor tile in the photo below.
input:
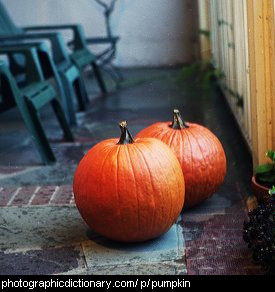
(36, 227)
(102, 252)
(42, 261)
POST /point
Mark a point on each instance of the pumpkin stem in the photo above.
(178, 122)
(126, 137)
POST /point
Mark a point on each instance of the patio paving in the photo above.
(41, 231)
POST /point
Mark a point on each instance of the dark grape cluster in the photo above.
(259, 233)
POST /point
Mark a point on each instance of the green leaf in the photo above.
(264, 168)
(204, 32)
(231, 45)
(271, 154)
(272, 191)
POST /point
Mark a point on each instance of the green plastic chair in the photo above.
(31, 98)
(81, 55)
(67, 77)
(57, 64)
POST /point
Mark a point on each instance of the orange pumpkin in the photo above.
(199, 151)
(129, 190)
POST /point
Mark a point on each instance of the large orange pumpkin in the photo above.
(199, 151)
(129, 190)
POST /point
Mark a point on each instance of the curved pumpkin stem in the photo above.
(126, 137)
(178, 122)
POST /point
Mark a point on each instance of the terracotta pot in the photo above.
(259, 191)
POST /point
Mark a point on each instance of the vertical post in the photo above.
(261, 33)
(204, 25)
(247, 100)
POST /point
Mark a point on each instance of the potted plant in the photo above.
(264, 178)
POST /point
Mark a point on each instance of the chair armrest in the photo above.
(50, 27)
(102, 40)
(40, 46)
(58, 47)
(78, 41)
(23, 36)
(22, 45)
(12, 48)
(33, 69)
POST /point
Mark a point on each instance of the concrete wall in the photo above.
(153, 32)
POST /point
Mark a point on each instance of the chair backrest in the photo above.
(7, 26)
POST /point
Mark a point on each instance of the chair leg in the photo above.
(81, 94)
(114, 74)
(99, 78)
(83, 87)
(39, 136)
(62, 120)
(117, 72)
(64, 97)
(69, 96)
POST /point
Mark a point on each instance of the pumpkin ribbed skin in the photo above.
(131, 192)
(200, 154)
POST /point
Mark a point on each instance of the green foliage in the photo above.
(236, 95)
(201, 74)
(231, 45)
(205, 32)
(265, 173)
(271, 154)
(272, 191)
(222, 22)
